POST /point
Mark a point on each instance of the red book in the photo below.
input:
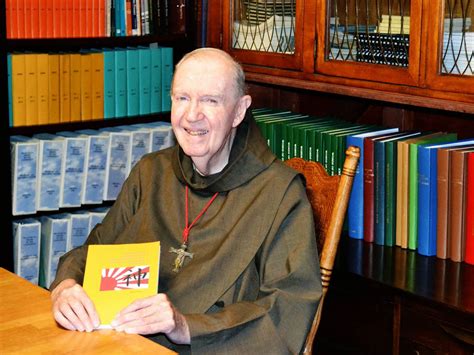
(8, 17)
(56, 14)
(83, 18)
(469, 229)
(101, 15)
(63, 24)
(76, 16)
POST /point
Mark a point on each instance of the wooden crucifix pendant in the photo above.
(182, 254)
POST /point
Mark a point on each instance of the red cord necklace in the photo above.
(182, 252)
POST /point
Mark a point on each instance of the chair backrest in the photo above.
(329, 196)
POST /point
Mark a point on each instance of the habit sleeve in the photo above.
(278, 320)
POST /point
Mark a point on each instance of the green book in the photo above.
(413, 184)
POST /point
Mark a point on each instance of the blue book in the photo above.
(78, 229)
(355, 210)
(144, 74)
(109, 83)
(156, 80)
(161, 135)
(133, 84)
(54, 237)
(50, 163)
(26, 248)
(95, 166)
(73, 169)
(428, 194)
(24, 159)
(118, 162)
(140, 142)
(120, 83)
(167, 77)
(96, 216)
(10, 107)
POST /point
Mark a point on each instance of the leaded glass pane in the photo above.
(264, 25)
(458, 38)
(372, 31)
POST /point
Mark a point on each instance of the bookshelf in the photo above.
(171, 36)
(418, 90)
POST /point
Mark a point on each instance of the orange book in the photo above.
(90, 19)
(83, 18)
(63, 25)
(86, 87)
(65, 87)
(101, 18)
(31, 89)
(76, 16)
(18, 90)
(75, 61)
(70, 19)
(56, 18)
(53, 82)
(43, 88)
(25, 17)
(97, 85)
(49, 18)
(128, 17)
(42, 18)
(8, 17)
(34, 19)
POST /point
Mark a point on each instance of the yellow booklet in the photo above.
(118, 274)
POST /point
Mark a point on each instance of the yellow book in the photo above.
(86, 87)
(53, 87)
(65, 87)
(18, 90)
(97, 74)
(43, 88)
(76, 74)
(31, 86)
(118, 274)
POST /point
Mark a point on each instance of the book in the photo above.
(65, 87)
(355, 210)
(166, 77)
(109, 83)
(43, 88)
(76, 87)
(53, 88)
(95, 166)
(86, 86)
(18, 90)
(133, 84)
(26, 248)
(24, 160)
(78, 229)
(413, 185)
(470, 210)
(120, 83)
(97, 84)
(31, 89)
(50, 172)
(156, 85)
(428, 194)
(443, 192)
(457, 204)
(116, 275)
(54, 237)
(144, 79)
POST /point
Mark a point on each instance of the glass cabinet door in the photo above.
(264, 31)
(451, 65)
(370, 39)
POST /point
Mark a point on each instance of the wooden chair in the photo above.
(329, 196)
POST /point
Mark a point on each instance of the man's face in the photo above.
(205, 110)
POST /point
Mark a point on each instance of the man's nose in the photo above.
(194, 112)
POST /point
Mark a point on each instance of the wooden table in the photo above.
(27, 326)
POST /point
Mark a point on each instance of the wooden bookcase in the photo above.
(369, 310)
(181, 44)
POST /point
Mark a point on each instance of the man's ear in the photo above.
(242, 106)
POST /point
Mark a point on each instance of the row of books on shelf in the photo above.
(92, 18)
(38, 243)
(74, 168)
(48, 88)
(412, 189)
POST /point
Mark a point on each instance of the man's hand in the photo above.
(155, 314)
(72, 308)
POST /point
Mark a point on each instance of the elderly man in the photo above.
(252, 284)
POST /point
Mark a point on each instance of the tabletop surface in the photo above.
(27, 326)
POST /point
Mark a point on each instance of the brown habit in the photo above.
(253, 284)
